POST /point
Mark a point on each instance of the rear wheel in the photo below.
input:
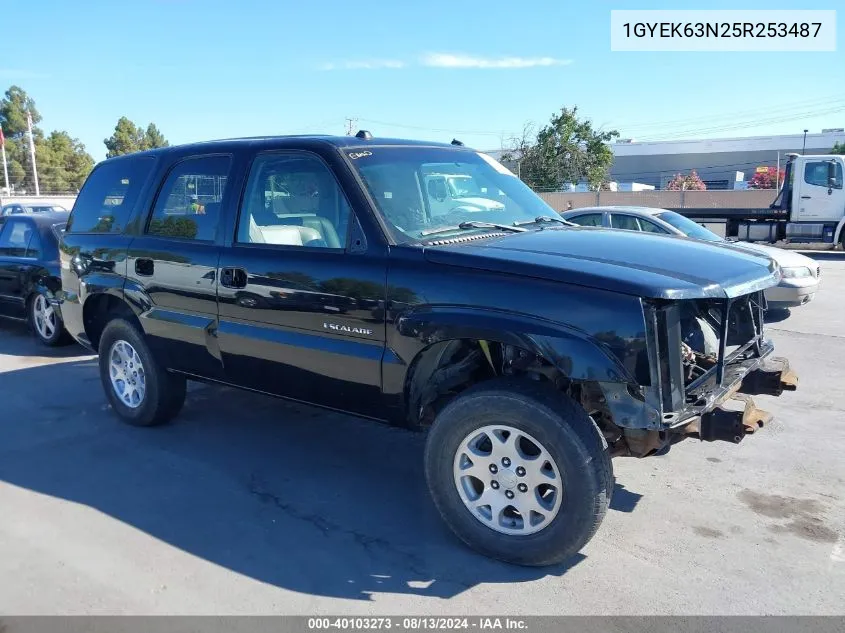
(45, 322)
(519, 472)
(139, 388)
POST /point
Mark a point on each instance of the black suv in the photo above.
(425, 285)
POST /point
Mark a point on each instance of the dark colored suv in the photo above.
(332, 271)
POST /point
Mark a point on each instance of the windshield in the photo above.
(419, 190)
(688, 227)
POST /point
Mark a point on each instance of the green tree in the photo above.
(153, 138)
(567, 150)
(129, 137)
(63, 163)
(838, 148)
(13, 109)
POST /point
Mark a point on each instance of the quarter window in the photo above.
(815, 173)
(293, 200)
(188, 205)
(109, 195)
(33, 248)
(650, 227)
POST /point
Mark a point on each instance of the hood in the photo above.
(641, 264)
(784, 258)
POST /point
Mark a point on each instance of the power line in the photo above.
(733, 116)
(435, 129)
(748, 124)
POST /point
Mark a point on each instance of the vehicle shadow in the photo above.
(18, 340)
(291, 495)
(824, 255)
(776, 315)
(623, 499)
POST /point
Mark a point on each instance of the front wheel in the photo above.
(141, 391)
(519, 472)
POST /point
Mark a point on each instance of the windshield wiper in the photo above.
(474, 224)
(544, 219)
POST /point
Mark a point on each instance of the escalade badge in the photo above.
(345, 329)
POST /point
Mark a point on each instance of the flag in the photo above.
(2, 138)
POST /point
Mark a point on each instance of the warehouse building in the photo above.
(719, 162)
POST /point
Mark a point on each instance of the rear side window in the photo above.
(109, 195)
(625, 222)
(14, 238)
(188, 205)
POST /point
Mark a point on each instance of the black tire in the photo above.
(565, 431)
(59, 336)
(165, 391)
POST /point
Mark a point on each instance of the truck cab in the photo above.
(813, 199)
(448, 193)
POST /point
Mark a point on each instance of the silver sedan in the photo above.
(800, 273)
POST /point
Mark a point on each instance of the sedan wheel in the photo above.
(45, 321)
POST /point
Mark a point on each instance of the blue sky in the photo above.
(204, 69)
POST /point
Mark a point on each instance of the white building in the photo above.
(715, 160)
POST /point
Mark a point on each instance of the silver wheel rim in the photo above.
(44, 316)
(127, 374)
(508, 480)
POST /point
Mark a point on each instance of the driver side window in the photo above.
(292, 199)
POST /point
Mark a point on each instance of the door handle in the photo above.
(144, 266)
(233, 277)
(806, 197)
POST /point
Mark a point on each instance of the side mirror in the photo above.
(831, 176)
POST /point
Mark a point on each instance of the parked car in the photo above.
(29, 273)
(16, 208)
(801, 275)
(531, 351)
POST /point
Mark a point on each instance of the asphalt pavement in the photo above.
(247, 504)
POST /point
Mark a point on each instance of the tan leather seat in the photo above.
(283, 234)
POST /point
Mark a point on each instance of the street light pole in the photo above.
(804, 147)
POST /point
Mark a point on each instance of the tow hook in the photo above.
(772, 379)
(732, 426)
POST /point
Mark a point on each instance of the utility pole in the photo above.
(804, 147)
(5, 168)
(32, 152)
(351, 124)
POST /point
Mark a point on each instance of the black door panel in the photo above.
(177, 279)
(297, 328)
(15, 235)
(173, 265)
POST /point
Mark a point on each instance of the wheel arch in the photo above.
(100, 308)
(456, 353)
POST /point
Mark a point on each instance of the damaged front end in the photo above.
(707, 357)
